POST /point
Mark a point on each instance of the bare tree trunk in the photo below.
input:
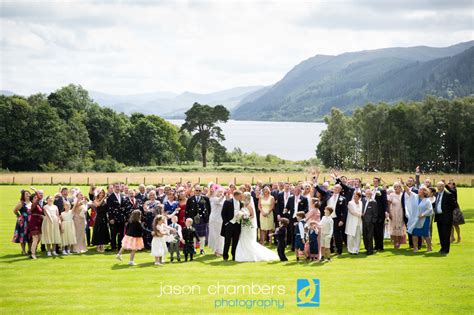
(459, 156)
(204, 155)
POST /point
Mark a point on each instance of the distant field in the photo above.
(204, 177)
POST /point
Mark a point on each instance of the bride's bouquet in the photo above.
(244, 218)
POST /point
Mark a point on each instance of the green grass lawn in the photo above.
(395, 281)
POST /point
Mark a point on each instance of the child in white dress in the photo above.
(68, 230)
(161, 234)
(51, 234)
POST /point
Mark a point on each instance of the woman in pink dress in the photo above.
(397, 224)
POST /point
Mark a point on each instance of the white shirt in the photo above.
(118, 198)
(297, 200)
(438, 202)
(332, 203)
(236, 210)
(286, 196)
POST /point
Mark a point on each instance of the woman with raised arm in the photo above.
(100, 235)
(419, 211)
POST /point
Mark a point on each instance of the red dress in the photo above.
(181, 213)
(35, 220)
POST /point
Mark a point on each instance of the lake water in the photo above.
(288, 140)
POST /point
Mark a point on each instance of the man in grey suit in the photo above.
(369, 220)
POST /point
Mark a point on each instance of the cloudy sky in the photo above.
(129, 47)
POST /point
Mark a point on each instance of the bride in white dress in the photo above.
(248, 249)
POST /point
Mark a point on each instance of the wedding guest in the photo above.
(35, 222)
(444, 208)
(170, 206)
(419, 213)
(313, 240)
(189, 235)
(61, 199)
(338, 203)
(296, 203)
(151, 208)
(458, 217)
(133, 240)
(158, 245)
(117, 216)
(21, 211)
(177, 237)
(50, 229)
(283, 199)
(380, 196)
(369, 220)
(280, 235)
(327, 229)
(141, 195)
(215, 240)
(354, 224)
(256, 195)
(411, 183)
(68, 231)
(198, 208)
(299, 235)
(132, 203)
(181, 207)
(100, 235)
(347, 191)
(396, 215)
(266, 205)
(79, 216)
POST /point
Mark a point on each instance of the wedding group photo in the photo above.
(214, 157)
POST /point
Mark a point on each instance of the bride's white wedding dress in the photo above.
(248, 249)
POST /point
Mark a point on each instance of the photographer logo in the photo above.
(307, 292)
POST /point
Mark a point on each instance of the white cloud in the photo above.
(132, 47)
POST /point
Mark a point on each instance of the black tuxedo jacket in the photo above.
(371, 213)
(117, 211)
(302, 206)
(280, 202)
(347, 191)
(382, 204)
(341, 208)
(228, 213)
(448, 205)
(59, 202)
(142, 197)
(203, 208)
(325, 195)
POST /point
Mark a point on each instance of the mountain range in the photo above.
(309, 90)
(349, 80)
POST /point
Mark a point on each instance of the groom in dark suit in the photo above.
(230, 225)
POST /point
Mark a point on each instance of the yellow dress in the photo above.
(69, 231)
(50, 232)
(266, 223)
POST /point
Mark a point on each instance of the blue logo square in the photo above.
(307, 292)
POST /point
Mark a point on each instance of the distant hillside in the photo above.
(349, 80)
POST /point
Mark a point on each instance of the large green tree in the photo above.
(201, 121)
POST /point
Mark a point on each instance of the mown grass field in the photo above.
(223, 178)
(395, 281)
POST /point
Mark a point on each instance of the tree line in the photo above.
(436, 134)
(67, 130)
